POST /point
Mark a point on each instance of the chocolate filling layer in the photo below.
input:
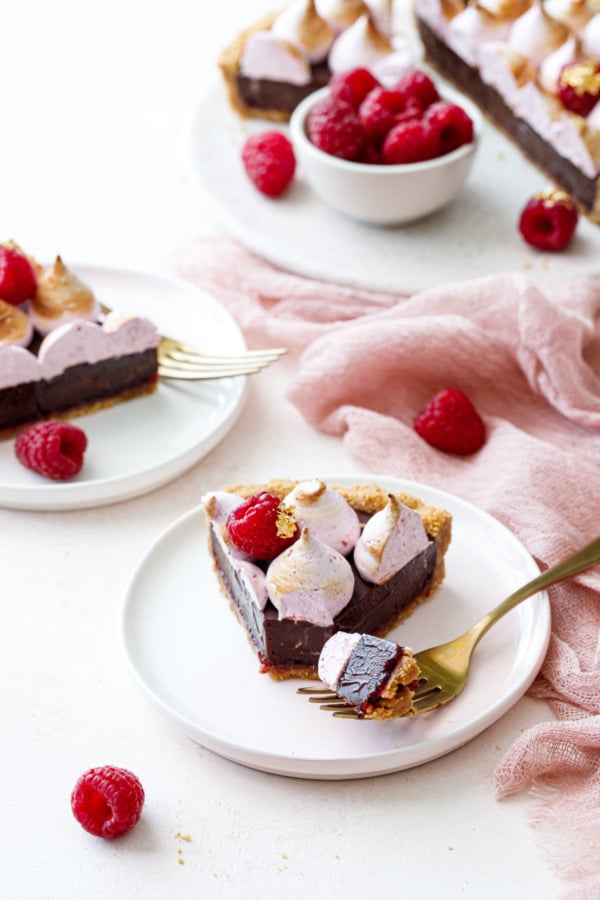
(582, 188)
(289, 643)
(264, 94)
(368, 669)
(76, 386)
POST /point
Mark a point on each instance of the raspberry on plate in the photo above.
(334, 127)
(452, 124)
(419, 86)
(410, 142)
(53, 449)
(269, 161)
(382, 109)
(107, 801)
(548, 221)
(451, 423)
(352, 86)
(17, 276)
(579, 86)
(262, 527)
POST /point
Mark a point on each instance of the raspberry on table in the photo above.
(418, 86)
(18, 281)
(579, 86)
(262, 527)
(53, 449)
(451, 423)
(107, 801)
(352, 86)
(548, 221)
(453, 125)
(410, 142)
(269, 161)
(383, 108)
(334, 127)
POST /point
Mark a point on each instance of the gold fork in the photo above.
(179, 360)
(445, 669)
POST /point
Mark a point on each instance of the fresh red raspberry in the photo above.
(452, 124)
(410, 142)
(52, 449)
(334, 127)
(269, 161)
(107, 801)
(382, 109)
(17, 276)
(261, 527)
(579, 86)
(549, 220)
(420, 87)
(353, 86)
(451, 423)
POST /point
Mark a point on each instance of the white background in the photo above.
(95, 106)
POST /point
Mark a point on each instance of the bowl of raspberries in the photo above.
(385, 155)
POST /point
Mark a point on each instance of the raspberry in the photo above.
(334, 127)
(452, 124)
(579, 86)
(410, 142)
(52, 449)
(382, 109)
(549, 220)
(107, 801)
(451, 423)
(261, 527)
(269, 161)
(418, 86)
(17, 276)
(352, 86)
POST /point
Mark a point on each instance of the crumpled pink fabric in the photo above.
(529, 358)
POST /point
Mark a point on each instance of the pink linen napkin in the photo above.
(529, 358)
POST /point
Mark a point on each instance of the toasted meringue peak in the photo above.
(334, 657)
(363, 45)
(300, 25)
(382, 14)
(266, 56)
(535, 34)
(219, 504)
(472, 28)
(390, 539)
(61, 297)
(340, 14)
(551, 66)
(575, 14)
(310, 581)
(504, 9)
(451, 8)
(329, 516)
(15, 325)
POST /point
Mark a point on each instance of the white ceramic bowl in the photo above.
(383, 194)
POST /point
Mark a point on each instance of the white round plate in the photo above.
(475, 236)
(191, 657)
(137, 446)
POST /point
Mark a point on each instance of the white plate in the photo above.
(475, 236)
(191, 657)
(137, 446)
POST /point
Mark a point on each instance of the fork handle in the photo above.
(572, 565)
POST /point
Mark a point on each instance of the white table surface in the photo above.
(96, 104)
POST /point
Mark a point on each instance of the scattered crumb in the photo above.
(284, 856)
(337, 855)
(181, 861)
(183, 837)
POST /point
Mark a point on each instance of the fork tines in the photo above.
(329, 702)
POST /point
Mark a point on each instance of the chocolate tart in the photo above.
(79, 390)
(290, 648)
(584, 190)
(378, 679)
(261, 98)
